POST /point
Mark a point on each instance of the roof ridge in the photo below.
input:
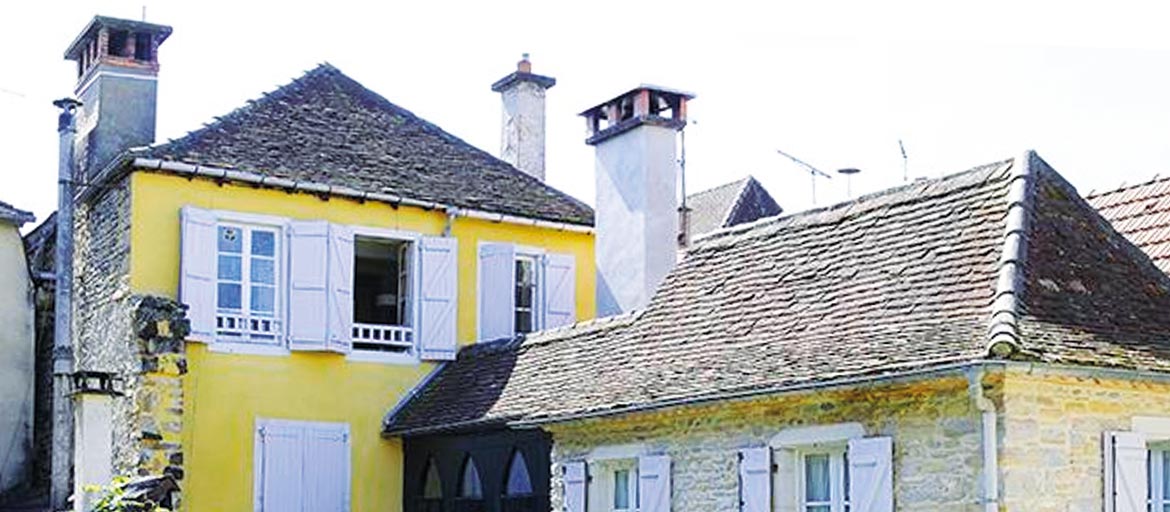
(861, 203)
(1003, 336)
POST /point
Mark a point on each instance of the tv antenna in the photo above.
(813, 172)
(905, 162)
(848, 172)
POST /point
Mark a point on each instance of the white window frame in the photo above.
(536, 256)
(1159, 472)
(279, 347)
(838, 477)
(411, 356)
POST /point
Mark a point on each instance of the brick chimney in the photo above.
(117, 83)
(635, 137)
(522, 130)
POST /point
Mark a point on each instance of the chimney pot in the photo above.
(524, 66)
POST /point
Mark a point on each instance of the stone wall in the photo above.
(1053, 422)
(935, 428)
(161, 327)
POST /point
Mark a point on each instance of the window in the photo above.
(1159, 468)
(470, 486)
(519, 483)
(432, 486)
(382, 306)
(247, 271)
(525, 309)
(824, 481)
(625, 490)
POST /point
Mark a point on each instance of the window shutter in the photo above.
(198, 271)
(340, 297)
(755, 479)
(438, 262)
(871, 474)
(327, 453)
(308, 321)
(560, 292)
(497, 291)
(278, 467)
(576, 486)
(1126, 478)
(654, 483)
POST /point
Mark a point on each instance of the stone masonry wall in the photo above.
(1053, 422)
(935, 429)
(162, 327)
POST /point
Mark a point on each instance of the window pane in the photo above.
(470, 485)
(1165, 475)
(432, 487)
(621, 489)
(263, 243)
(518, 482)
(263, 271)
(228, 296)
(816, 478)
(817, 508)
(523, 321)
(230, 239)
(230, 268)
(263, 299)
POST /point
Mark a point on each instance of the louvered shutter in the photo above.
(755, 479)
(340, 297)
(576, 484)
(654, 483)
(871, 474)
(1126, 472)
(197, 264)
(308, 318)
(279, 463)
(327, 470)
(438, 262)
(497, 291)
(560, 291)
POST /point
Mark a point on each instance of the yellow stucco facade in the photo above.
(224, 393)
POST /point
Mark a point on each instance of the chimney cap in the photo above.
(523, 73)
(161, 32)
(642, 87)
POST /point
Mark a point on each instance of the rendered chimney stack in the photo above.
(522, 129)
(637, 217)
(117, 82)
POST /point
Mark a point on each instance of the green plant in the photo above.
(114, 498)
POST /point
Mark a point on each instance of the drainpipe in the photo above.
(61, 458)
(990, 481)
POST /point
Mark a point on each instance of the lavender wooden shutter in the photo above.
(438, 297)
(308, 319)
(340, 296)
(1126, 474)
(654, 483)
(560, 290)
(755, 479)
(497, 291)
(871, 475)
(197, 282)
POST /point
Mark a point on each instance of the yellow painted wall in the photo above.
(225, 393)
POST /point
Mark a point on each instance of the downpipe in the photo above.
(989, 485)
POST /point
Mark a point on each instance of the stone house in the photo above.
(984, 341)
(251, 297)
(724, 206)
(16, 352)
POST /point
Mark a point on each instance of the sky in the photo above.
(837, 84)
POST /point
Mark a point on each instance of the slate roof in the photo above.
(730, 204)
(326, 128)
(916, 278)
(15, 215)
(1142, 213)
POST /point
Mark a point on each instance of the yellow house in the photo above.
(330, 247)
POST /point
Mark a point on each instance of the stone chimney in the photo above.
(522, 130)
(636, 167)
(117, 83)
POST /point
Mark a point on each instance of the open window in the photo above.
(382, 298)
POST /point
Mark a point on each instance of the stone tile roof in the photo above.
(326, 128)
(1142, 213)
(899, 281)
(730, 204)
(14, 215)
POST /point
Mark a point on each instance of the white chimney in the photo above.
(637, 204)
(522, 130)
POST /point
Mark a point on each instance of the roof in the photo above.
(1142, 213)
(13, 215)
(913, 279)
(730, 204)
(326, 128)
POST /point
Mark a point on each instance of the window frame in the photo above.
(1159, 472)
(279, 225)
(414, 277)
(838, 476)
(536, 312)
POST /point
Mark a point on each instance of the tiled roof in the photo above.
(326, 128)
(903, 280)
(1142, 213)
(730, 204)
(14, 215)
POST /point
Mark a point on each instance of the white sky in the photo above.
(834, 83)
